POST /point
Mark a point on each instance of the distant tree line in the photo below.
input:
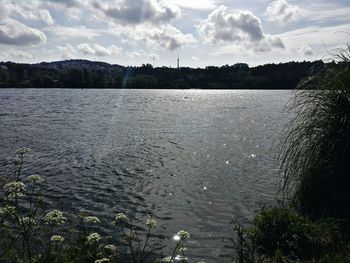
(88, 74)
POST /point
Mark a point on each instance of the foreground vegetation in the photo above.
(282, 234)
(28, 234)
(312, 223)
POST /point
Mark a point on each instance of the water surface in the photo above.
(191, 158)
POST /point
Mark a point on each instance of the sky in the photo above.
(200, 32)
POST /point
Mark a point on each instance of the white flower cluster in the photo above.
(103, 260)
(121, 217)
(22, 150)
(183, 234)
(151, 223)
(93, 238)
(167, 260)
(57, 238)
(91, 219)
(15, 188)
(111, 249)
(36, 179)
(7, 210)
(54, 217)
(28, 221)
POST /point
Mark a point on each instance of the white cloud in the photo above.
(74, 14)
(67, 51)
(13, 32)
(154, 57)
(45, 16)
(16, 54)
(67, 48)
(63, 3)
(16, 33)
(223, 34)
(131, 12)
(170, 37)
(283, 12)
(29, 12)
(223, 25)
(306, 51)
(324, 37)
(266, 44)
(243, 27)
(101, 51)
(326, 12)
(136, 54)
(194, 4)
(141, 54)
(64, 32)
(165, 36)
(97, 50)
(86, 49)
(4, 11)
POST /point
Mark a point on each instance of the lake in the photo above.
(193, 159)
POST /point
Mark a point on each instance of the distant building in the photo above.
(178, 62)
(3, 67)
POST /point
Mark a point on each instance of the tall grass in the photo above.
(315, 151)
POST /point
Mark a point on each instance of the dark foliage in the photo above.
(316, 150)
(280, 234)
(283, 230)
(88, 74)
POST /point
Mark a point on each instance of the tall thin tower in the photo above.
(178, 61)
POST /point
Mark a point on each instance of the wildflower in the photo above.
(91, 219)
(57, 238)
(36, 179)
(167, 260)
(183, 234)
(151, 223)
(93, 238)
(111, 249)
(7, 210)
(54, 217)
(22, 150)
(28, 221)
(102, 260)
(15, 188)
(121, 217)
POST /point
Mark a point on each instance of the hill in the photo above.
(90, 74)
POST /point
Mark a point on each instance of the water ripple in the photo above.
(192, 159)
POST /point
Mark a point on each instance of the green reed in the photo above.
(315, 151)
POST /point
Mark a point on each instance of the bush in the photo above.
(283, 235)
(289, 233)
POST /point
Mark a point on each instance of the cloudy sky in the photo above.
(201, 32)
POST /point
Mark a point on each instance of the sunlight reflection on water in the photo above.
(192, 159)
